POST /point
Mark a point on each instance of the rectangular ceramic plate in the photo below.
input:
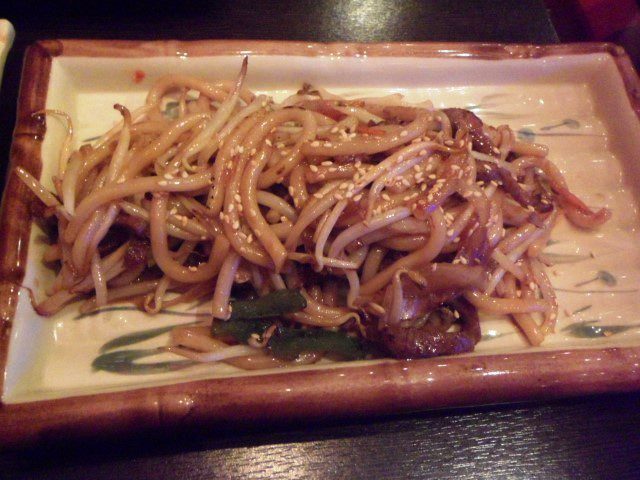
(581, 100)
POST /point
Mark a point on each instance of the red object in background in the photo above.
(603, 18)
(138, 76)
(577, 20)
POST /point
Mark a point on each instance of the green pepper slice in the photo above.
(273, 304)
(288, 343)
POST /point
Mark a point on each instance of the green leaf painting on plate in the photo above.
(124, 362)
(590, 329)
(567, 122)
(137, 337)
(603, 276)
(526, 135)
(493, 334)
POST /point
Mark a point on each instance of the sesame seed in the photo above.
(235, 225)
(193, 269)
(184, 174)
(162, 183)
(386, 197)
(456, 314)
(334, 130)
(313, 168)
(450, 232)
(253, 151)
(237, 198)
(290, 189)
(404, 133)
(327, 163)
(317, 195)
(328, 144)
(240, 149)
(268, 142)
(230, 207)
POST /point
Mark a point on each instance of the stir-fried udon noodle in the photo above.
(315, 226)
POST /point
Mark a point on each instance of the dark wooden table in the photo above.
(596, 437)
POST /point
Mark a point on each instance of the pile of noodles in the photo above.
(379, 211)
